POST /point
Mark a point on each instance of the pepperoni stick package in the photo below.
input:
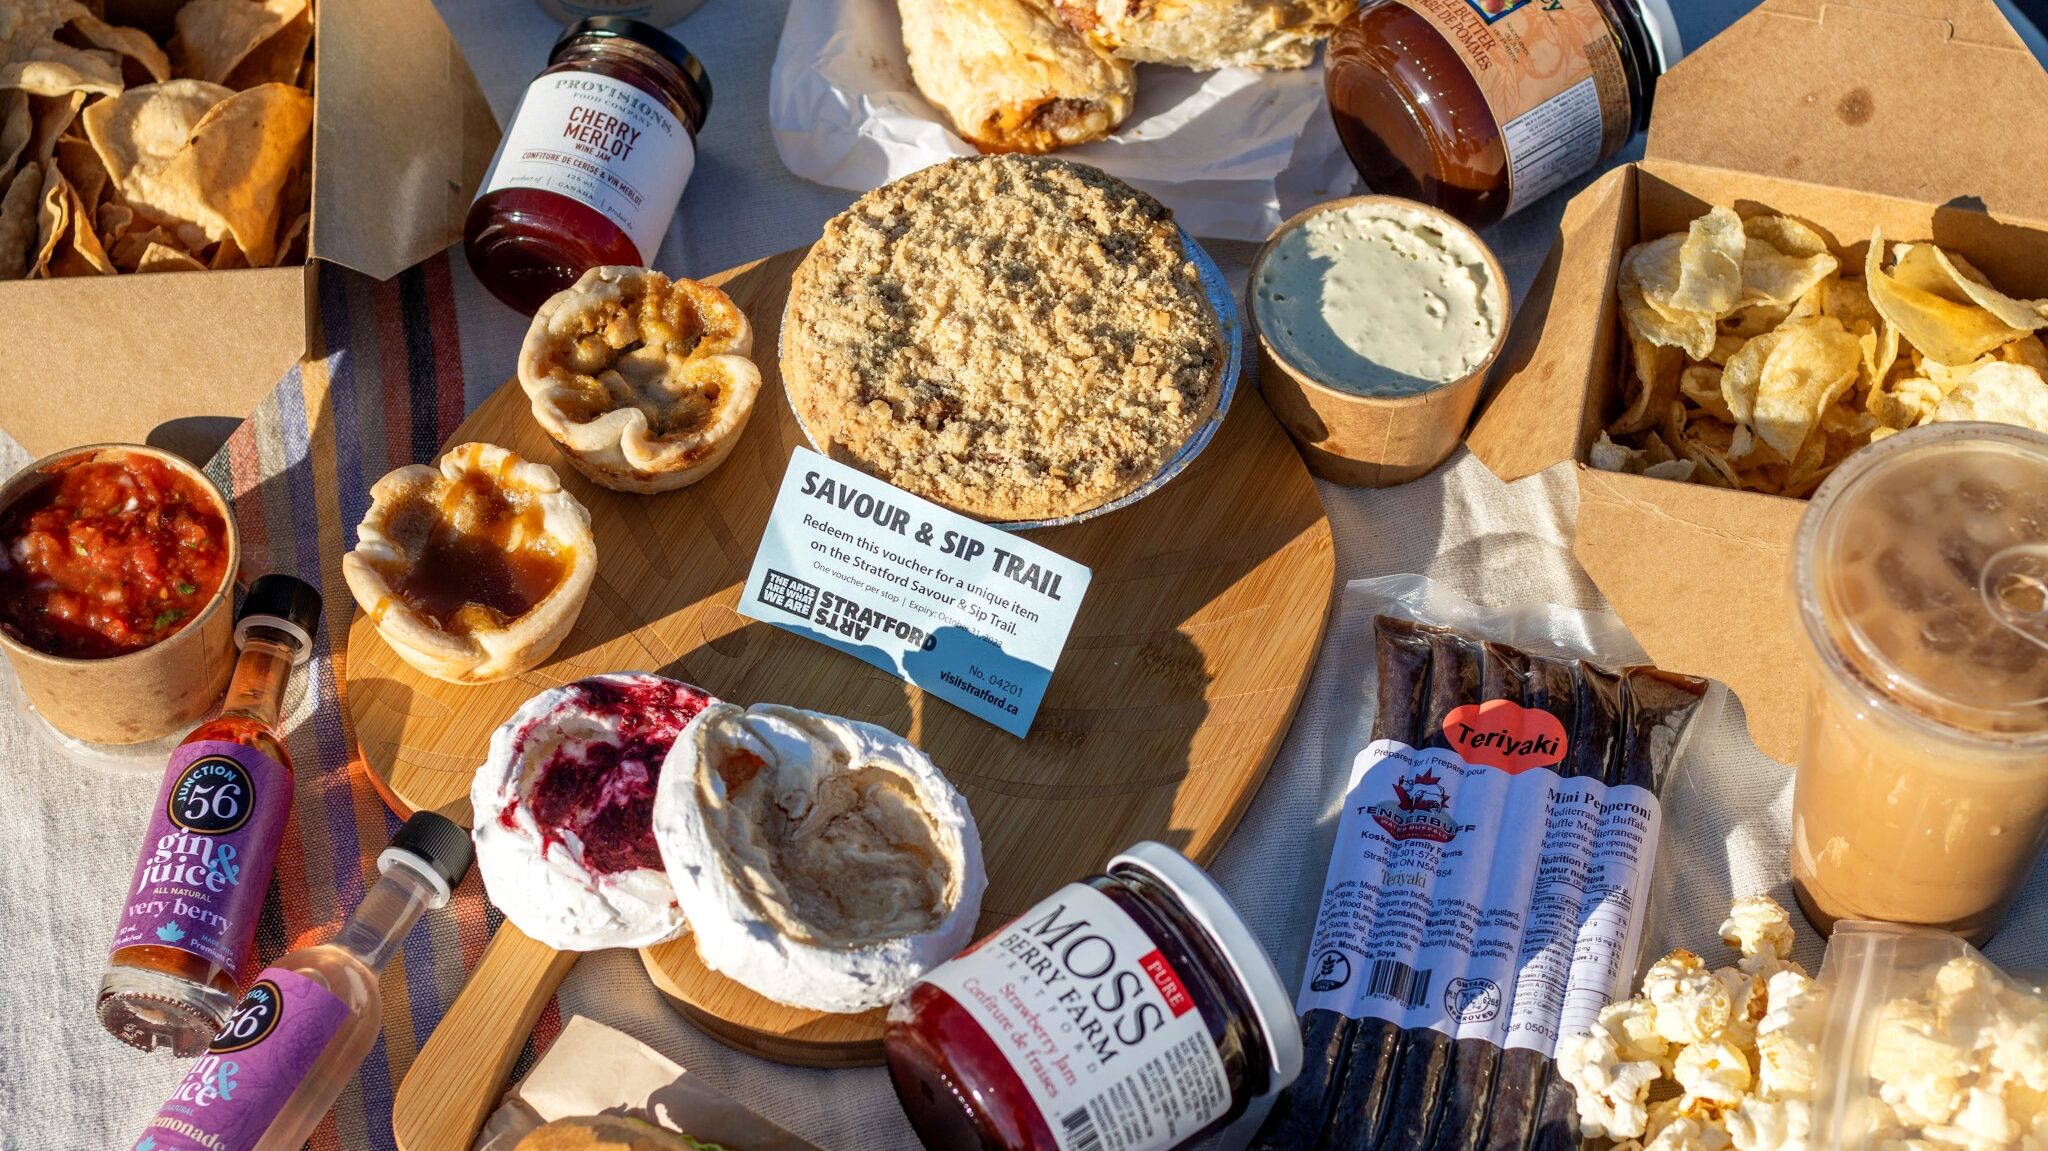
(1486, 889)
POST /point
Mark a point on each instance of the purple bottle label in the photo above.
(237, 1089)
(207, 859)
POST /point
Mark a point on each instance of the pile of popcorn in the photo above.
(1963, 1068)
(1739, 1042)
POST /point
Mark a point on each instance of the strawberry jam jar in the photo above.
(592, 164)
(1129, 1011)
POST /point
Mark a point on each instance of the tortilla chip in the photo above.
(55, 69)
(226, 180)
(291, 241)
(216, 35)
(53, 213)
(130, 248)
(112, 221)
(2000, 393)
(144, 127)
(24, 24)
(227, 254)
(133, 45)
(164, 258)
(81, 166)
(80, 252)
(279, 59)
(53, 117)
(18, 221)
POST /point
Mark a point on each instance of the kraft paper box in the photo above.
(401, 138)
(1903, 114)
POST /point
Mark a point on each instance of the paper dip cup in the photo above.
(1345, 434)
(144, 694)
(1921, 578)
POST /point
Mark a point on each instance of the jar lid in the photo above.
(1663, 28)
(284, 602)
(1921, 572)
(1207, 904)
(654, 40)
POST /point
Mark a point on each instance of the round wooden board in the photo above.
(1177, 685)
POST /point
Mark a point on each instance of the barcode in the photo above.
(1395, 980)
(1081, 1132)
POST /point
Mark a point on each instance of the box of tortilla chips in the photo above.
(173, 173)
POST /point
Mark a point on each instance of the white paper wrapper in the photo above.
(592, 1069)
(1232, 152)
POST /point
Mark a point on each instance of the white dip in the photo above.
(1379, 300)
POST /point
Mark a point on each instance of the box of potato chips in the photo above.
(1835, 233)
(172, 174)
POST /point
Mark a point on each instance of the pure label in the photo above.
(969, 613)
(603, 142)
(233, 1093)
(1481, 895)
(208, 853)
(1096, 1022)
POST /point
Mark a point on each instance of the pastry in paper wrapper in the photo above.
(1206, 34)
(822, 862)
(1011, 76)
(643, 381)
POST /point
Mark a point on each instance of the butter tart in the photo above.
(644, 381)
(473, 571)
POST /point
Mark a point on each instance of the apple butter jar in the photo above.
(1482, 107)
(1131, 1010)
(592, 164)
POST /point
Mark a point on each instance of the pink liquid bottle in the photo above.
(299, 1033)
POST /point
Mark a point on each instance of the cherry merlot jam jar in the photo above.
(1130, 1010)
(593, 163)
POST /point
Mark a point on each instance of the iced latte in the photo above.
(1921, 576)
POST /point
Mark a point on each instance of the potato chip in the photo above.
(2025, 315)
(1743, 375)
(55, 69)
(1609, 456)
(16, 127)
(1753, 320)
(144, 127)
(1710, 264)
(1942, 329)
(1812, 364)
(1725, 348)
(226, 180)
(216, 35)
(2000, 393)
(1904, 403)
(18, 221)
(164, 258)
(131, 44)
(1656, 383)
(1783, 260)
(2027, 350)
(1701, 383)
(1655, 266)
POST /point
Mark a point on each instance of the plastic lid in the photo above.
(1663, 27)
(1922, 576)
(1206, 902)
(286, 603)
(655, 40)
(436, 847)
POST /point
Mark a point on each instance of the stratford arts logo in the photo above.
(1420, 809)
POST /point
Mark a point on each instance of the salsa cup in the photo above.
(144, 694)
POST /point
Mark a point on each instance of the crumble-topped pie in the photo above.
(1014, 337)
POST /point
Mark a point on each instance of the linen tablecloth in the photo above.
(401, 362)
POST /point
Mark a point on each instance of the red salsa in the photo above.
(109, 557)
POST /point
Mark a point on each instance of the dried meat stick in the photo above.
(1308, 1106)
(1656, 707)
(1422, 1070)
(1519, 1084)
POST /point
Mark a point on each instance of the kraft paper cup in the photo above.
(146, 694)
(1371, 441)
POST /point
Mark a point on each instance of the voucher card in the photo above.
(968, 612)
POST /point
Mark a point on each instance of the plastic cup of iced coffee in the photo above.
(1921, 578)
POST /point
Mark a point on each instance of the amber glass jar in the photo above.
(1133, 1002)
(592, 164)
(1482, 107)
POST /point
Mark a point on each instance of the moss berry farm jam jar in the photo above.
(592, 164)
(1130, 1011)
(1482, 107)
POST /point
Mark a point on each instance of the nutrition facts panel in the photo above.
(1552, 142)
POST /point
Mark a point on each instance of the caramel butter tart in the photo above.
(475, 570)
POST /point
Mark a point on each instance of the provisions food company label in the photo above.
(207, 857)
(238, 1088)
(1482, 895)
(967, 612)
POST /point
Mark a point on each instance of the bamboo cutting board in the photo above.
(1181, 675)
